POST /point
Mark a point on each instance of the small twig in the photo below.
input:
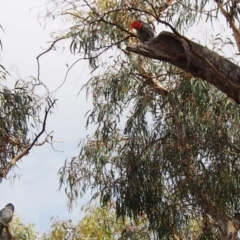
(88, 58)
(101, 18)
(44, 125)
(45, 140)
(50, 48)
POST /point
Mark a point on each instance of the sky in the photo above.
(36, 194)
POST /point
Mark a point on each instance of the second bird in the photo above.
(6, 215)
(144, 30)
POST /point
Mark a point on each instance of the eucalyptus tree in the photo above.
(166, 112)
(20, 122)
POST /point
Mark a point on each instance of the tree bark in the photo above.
(200, 61)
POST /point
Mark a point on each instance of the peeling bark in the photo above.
(200, 61)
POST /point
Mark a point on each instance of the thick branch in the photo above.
(200, 61)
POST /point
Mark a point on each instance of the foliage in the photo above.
(168, 149)
(19, 106)
(99, 223)
(22, 231)
(19, 231)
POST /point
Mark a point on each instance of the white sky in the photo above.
(35, 195)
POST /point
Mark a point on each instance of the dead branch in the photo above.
(200, 61)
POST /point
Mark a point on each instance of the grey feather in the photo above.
(145, 33)
(6, 215)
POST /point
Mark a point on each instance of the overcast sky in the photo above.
(35, 195)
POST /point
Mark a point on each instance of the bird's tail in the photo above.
(1, 229)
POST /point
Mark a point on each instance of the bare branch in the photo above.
(49, 49)
(44, 125)
(105, 48)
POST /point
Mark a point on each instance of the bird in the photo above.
(6, 215)
(144, 30)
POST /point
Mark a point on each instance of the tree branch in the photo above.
(26, 150)
(200, 61)
(49, 49)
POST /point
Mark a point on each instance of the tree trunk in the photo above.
(200, 61)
